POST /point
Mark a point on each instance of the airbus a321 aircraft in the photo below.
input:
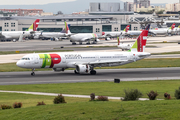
(163, 31)
(84, 62)
(10, 35)
(81, 37)
(124, 46)
(107, 35)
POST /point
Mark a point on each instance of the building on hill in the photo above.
(23, 12)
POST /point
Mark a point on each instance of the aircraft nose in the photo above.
(19, 64)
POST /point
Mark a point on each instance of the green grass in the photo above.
(141, 110)
(145, 63)
(22, 52)
(82, 109)
(31, 100)
(101, 88)
(166, 53)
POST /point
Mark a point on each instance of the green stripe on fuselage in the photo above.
(46, 60)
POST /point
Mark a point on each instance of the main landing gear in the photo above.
(33, 73)
(93, 72)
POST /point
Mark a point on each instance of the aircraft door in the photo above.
(36, 59)
(64, 59)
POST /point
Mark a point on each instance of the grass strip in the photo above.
(101, 88)
(32, 100)
(141, 110)
(22, 52)
(166, 53)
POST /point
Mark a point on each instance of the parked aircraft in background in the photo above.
(81, 37)
(15, 35)
(124, 46)
(109, 35)
(162, 31)
(83, 62)
(50, 35)
(176, 30)
(136, 33)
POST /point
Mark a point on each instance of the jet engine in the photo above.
(82, 69)
(108, 39)
(58, 69)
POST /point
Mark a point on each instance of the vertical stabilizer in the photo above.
(172, 26)
(67, 28)
(118, 40)
(127, 28)
(34, 26)
(140, 44)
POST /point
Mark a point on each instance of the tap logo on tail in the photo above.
(140, 44)
(34, 26)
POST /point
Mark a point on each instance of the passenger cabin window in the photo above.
(25, 58)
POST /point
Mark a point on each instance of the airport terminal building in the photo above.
(95, 22)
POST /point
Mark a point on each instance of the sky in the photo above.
(41, 2)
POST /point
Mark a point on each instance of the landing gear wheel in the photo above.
(73, 43)
(33, 74)
(76, 72)
(93, 72)
(88, 43)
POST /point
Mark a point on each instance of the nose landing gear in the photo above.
(33, 73)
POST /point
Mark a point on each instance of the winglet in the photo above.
(140, 44)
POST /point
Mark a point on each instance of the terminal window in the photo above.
(12, 29)
(6, 30)
(97, 30)
(6, 24)
(115, 29)
(12, 24)
(135, 28)
(106, 28)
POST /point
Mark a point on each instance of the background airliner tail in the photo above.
(67, 28)
(127, 28)
(172, 26)
(140, 44)
(34, 26)
(118, 40)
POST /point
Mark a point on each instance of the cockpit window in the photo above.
(25, 58)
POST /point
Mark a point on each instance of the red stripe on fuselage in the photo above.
(55, 59)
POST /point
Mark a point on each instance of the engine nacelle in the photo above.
(83, 69)
(58, 69)
(107, 39)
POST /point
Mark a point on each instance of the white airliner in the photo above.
(163, 31)
(85, 62)
(53, 35)
(81, 37)
(109, 35)
(10, 35)
(176, 30)
(136, 33)
(124, 46)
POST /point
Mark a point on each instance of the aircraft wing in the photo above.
(101, 63)
(86, 39)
